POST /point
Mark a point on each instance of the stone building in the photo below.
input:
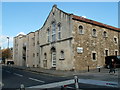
(67, 42)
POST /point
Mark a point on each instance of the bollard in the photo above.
(99, 69)
(76, 82)
(22, 87)
(62, 87)
(88, 68)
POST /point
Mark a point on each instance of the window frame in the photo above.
(95, 56)
(94, 32)
(59, 31)
(115, 41)
(81, 30)
(48, 35)
(105, 52)
(62, 55)
(115, 52)
(53, 31)
(45, 56)
(105, 34)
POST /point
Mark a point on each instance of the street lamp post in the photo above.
(8, 49)
(8, 42)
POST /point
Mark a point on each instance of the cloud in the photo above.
(4, 40)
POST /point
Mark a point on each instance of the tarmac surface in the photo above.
(102, 75)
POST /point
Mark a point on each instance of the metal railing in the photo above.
(75, 81)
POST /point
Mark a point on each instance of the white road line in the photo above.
(98, 82)
(53, 85)
(37, 80)
(18, 74)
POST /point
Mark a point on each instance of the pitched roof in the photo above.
(79, 18)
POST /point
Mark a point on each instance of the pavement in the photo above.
(103, 75)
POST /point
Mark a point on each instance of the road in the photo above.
(12, 78)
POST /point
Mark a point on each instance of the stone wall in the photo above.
(93, 44)
(18, 50)
(63, 44)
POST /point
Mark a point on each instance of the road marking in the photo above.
(37, 80)
(53, 85)
(98, 82)
(18, 74)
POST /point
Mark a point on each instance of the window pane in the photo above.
(59, 35)
(94, 32)
(105, 34)
(62, 55)
(81, 29)
(53, 31)
(59, 27)
(94, 56)
(106, 52)
(116, 53)
(53, 28)
(115, 40)
(48, 38)
(54, 37)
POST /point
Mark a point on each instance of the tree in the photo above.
(6, 54)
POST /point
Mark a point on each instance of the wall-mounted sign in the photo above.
(79, 49)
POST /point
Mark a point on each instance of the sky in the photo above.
(28, 17)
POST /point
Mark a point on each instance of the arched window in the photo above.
(59, 31)
(94, 33)
(45, 60)
(81, 31)
(45, 56)
(115, 40)
(116, 52)
(48, 35)
(94, 56)
(62, 55)
(104, 34)
(53, 31)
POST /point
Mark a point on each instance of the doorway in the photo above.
(53, 52)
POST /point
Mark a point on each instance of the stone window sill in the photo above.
(62, 59)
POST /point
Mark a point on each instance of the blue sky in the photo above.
(29, 16)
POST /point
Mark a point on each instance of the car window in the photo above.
(118, 57)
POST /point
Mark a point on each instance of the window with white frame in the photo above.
(104, 34)
(59, 31)
(115, 40)
(94, 56)
(116, 52)
(81, 31)
(45, 56)
(94, 33)
(62, 55)
(48, 35)
(106, 52)
(53, 31)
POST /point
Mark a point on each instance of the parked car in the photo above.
(108, 61)
(10, 62)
